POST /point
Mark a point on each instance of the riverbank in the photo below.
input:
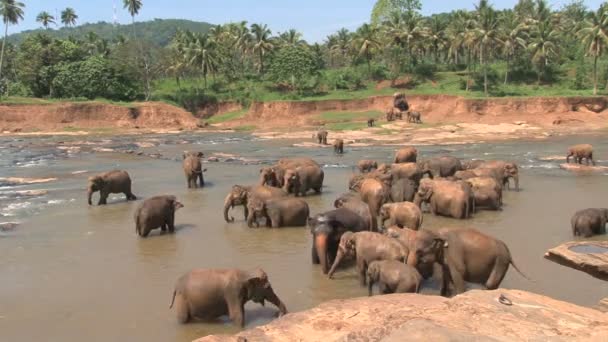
(475, 315)
(446, 119)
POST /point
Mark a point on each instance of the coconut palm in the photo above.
(201, 52)
(594, 35)
(45, 18)
(262, 43)
(133, 6)
(486, 35)
(435, 35)
(455, 33)
(291, 38)
(69, 17)
(343, 44)
(543, 44)
(366, 42)
(513, 36)
(11, 12)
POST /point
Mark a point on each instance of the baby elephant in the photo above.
(401, 214)
(193, 169)
(580, 152)
(279, 212)
(211, 293)
(156, 212)
(321, 137)
(589, 222)
(392, 277)
(414, 117)
(339, 146)
(366, 165)
(370, 122)
(113, 182)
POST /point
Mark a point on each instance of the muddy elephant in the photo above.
(444, 166)
(589, 222)
(367, 165)
(406, 155)
(392, 277)
(400, 102)
(509, 170)
(498, 176)
(414, 117)
(406, 236)
(339, 146)
(193, 169)
(239, 195)
(580, 152)
(156, 212)
(463, 254)
(446, 198)
(327, 229)
(321, 137)
(391, 114)
(113, 182)
(278, 211)
(471, 164)
(352, 201)
(210, 293)
(375, 194)
(402, 215)
(300, 180)
(275, 175)
(403, 190)
(487, 192)
(370, 122)
(411, 171)
(367, 247)
(381, 174)
(268, 176)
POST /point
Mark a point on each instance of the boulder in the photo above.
(590, 257)
(476, 315)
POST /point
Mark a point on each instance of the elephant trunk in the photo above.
(418, 201)
(339, 257)
(321, 247)
(516, 180)
(90, 196)
(274, 299)
(227, 206)
(370, 285)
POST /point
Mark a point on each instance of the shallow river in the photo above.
(71, 272)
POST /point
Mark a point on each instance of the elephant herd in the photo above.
(378, 223)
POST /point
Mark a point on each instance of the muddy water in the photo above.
(71, 272)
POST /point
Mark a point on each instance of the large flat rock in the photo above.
(587, 256)
(473, 316)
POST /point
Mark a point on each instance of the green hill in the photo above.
(159, 31)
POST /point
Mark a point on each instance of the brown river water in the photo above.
(70, 272)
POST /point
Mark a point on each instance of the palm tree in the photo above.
(133, 6)
(343, 43)
(594, 35)
(455, 33)
(486, 36)
(544, 40)
(11, 12)
(291, 38)
(45, 18)
(201, 52)
(262, 43)
(366, 42)
(513, 35)
(435, 35)
(68, 17)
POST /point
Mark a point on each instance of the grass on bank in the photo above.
(227, 116)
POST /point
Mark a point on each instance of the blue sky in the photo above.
(314, 18)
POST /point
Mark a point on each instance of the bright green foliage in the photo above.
(383, 8)
(292, 65)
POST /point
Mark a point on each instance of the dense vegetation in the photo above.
(531, 49)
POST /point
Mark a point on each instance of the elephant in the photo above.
(367, 247)
(446, 198)
(391, 114)
(471, 164)
(508, 170)
(339, 146)
(406, 155)
(474, 173)
(403, 190)
(380, 174)
(370, 122)
(156, 212)
(400, 102)
(375, 194)
(463, 254)
(353, 202)
(211, 293)
(239, 195)
(367, 165)
(589, 222)
(406, 236)
(278, 211)
(300, 180)
(410, 171)
(580, 152)
(414, 117)
(392, 277)
(444, 166)
(321, 137)
(112, 182)
(401, 214)
(193, 169)
(327, 229)
(487, 192)
(294, 162)
(268, 176)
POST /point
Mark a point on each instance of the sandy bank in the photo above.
(474, 316)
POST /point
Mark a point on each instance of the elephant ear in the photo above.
(200, 154)
(97, 180)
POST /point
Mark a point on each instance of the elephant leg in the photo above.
(361, 269)
(130, 196)
(591, 158)
(245, 211)
(315, 255)
(498, 273)
(201, 179)
(103, 197)
(181, 307)
(171, 223)
(383, 288)
(275, 223)
(236, 311)
(457, 279)
(163, 228)
(568, 158)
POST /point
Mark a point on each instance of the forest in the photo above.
(532, 49)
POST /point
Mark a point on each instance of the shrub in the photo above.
(425, 71)
(493, 78)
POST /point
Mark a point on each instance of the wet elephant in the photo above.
(400, 102)
(414, 117)
(411, 171)
(580, 152)
(211, 293)
(401, 214)
(156, 212)
(113, 182)
(367, 247)
(193, 169)
(589, 222)
(321, 137)
(300, 180)
(339, 146)
(327, 229)
(403, 190)
(474, 173)
(446, 198)
(508, 170)
(352, 201)
(367, 165)
(392, 277)
(406, 155)
(444, 166)
(239, 195)
(278, 211)
(278, 170)
(375, 193)
(463, 255)
(487, 192)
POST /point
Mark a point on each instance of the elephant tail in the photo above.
(173, 299)
(514, 265)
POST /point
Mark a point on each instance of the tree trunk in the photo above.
(595, 71)
(507, 72)
(3, 47)
(485, 70)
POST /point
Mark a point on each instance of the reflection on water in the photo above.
(77, 272)
(589, 249)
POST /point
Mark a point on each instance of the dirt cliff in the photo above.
(93, 115)
(474, 316)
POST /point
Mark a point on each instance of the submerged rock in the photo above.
(8, 226)
(473, 316)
